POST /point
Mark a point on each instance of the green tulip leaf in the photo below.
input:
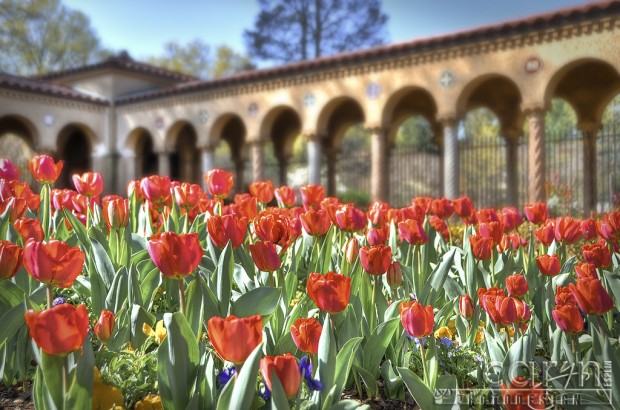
(245, 385)
(79, 395)
(225, 267)
(327, 359)
(260, 301)
(278, 396)
(423, 396)
(223, 402)
(344, 362)
(349, 405)
(369, 380)
(377, 343)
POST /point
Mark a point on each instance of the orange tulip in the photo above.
(352, 250)
(285, 196)
(493, 230)
(463, 207)
(591, 296)
(273, 227)
(586, 271)
(115, 211)
(219, 183)
(442, 208)
(156, 189)
(245, 207)
(262, 190)
(235, 338)
(466, 307)
(306, 334)
(487, 215)
(187, 195)
(227, 228)
(331, 205)
(286, 369)
(567, 229)
(8, 170)
(522, 394)
(54, 263)
(89, 183)
(516, 285)
(481, 246)
(10, 259)
(440, 226)
(29, 229)
(265, 256)
(417, 320)
(376, 259)
(548, 265)
(105, 326)
(501, 309)
(312, 195)
(17, 208)
(546, 233)
(377, 213)
(330, 292)
(424, 203)
(350, 219)
(523, 310)
(412, 231)
(133, 188)
(568, 318)
(175, 255)
(59, 330)
(315, 223)
(597, 254)
(44, 169)
(536, 212)
(394, 275)
(563, 296)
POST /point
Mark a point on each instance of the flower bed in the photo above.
(175, 298)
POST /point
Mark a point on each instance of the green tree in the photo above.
(38, 36)
(293, 30)
(195, 58)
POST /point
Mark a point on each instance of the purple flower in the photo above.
(225, 375)
(58, 301)
(446, 341)
(305, 367)
(265, 393)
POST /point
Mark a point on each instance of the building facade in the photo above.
(127, 119)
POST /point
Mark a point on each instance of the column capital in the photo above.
(312, 135)
(449, 120)
(209, 147)
(511, 134)
(588, 126)
(533, 109)
(256, 142)
(375, 129)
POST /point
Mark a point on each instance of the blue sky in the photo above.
(143, 26)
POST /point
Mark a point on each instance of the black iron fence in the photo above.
(413, 172)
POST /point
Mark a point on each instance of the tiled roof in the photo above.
(122, 61)
(42, 87)
(535, 22)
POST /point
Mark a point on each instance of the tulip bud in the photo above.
(394, 275)
(352, 250)
(105, 326)
(466, 307)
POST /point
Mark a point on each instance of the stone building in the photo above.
(127, 119)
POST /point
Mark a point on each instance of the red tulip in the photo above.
(175, 255)
(156, 189)
(481, 246)
(425, 203)
(8, 170)
(546, 233)
(510, 219)
(609, 227)
(311, 196)
(597, 254)
(115, 211)
(265, 256)
(219, 183)
(330, 292)
(331, 205)
(378, 236)
(59, 330)
(548, 265)
(516, 285)
(235, 338)
(262, 190)
(352, 250)
(487, 215)
(501, 309)
(442, 208)
(286, 369)
(377, 213)
(306, 334)
(187, 195)
(588, 229)
(591, 296)
(417, 320)
(523, 394)
(493, 291)
(29, 229)
(586, 271)
(394, 275)
(10, 259)
(567, 229)
(523, 310)
(285, 196)
(466, 307)
(227, 228)
(273, 227)
(463, 207)
(536, 212)
(568, 318)
(563, 296)
(54, 263)
(105, 326)
(44, 169)
(17, 208)
(412, 231)
(315, 223)
(350, 219)
(440, 226)
(89, 183)
(376, 259)
(493, 230)
(511, 241)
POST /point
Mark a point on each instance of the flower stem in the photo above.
(50, 296)
(423, 356)
(182, 295)
(372, 303)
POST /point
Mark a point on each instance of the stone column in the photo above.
(258, 161)
(314, 159)
(207, 162)
(536, 155)
(451, 172)
(283, 169)
(163, 163)
(378, 177)
(512, 166)
(589, 131)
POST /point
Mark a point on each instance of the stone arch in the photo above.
(337, 115)
(141, 142)
(181, 144)
(279, 129)
(74, 145)
(18, 140)
(405, 103)
(231, 129)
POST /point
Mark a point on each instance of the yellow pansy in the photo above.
(159, 333)
(150, 402)
(443, 331)
(105, 397)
